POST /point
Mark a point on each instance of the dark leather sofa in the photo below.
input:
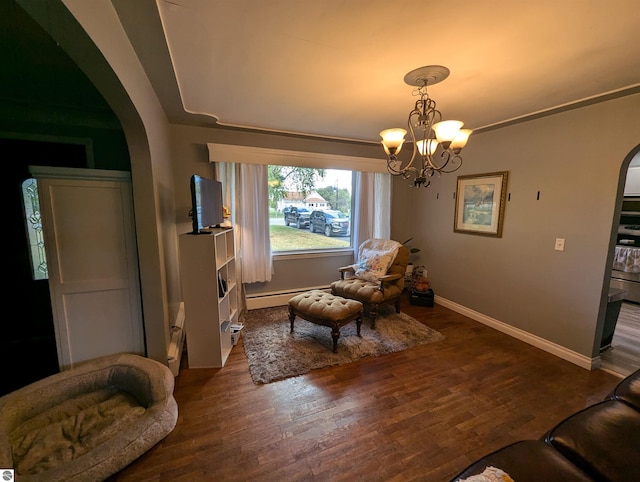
(600, 443)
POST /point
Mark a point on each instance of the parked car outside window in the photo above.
(329, 222)
(298, 216)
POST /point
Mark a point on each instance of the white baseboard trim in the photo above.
(545, 345)
(174, 353)
(276, 298)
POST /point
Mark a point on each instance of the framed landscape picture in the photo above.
(480, 202)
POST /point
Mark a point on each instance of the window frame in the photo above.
(296, 252)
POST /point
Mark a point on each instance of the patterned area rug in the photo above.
(274, 353)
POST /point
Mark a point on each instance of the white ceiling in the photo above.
(335, 68)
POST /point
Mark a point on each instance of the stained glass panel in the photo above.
(33, 224)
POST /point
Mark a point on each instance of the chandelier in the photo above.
(436, 143)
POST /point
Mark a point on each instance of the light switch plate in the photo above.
(559, 244)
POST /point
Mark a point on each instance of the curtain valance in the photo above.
(284, 157)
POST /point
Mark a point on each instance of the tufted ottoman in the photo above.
(325, 309)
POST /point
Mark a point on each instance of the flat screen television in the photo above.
(206, 204)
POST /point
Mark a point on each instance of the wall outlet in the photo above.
(559, 244)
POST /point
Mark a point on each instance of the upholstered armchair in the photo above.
(376, 278)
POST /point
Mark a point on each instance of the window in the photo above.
(368, 206)
(309, 208)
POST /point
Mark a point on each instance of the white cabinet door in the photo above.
(93, 266)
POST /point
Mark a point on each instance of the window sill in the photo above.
(327, 253)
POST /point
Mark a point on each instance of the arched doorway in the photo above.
(622, 356)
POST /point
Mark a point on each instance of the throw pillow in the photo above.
(490, 474)
(373, 264)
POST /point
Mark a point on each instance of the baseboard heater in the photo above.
(276, 298)
(174, 353)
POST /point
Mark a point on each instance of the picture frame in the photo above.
(480, 203)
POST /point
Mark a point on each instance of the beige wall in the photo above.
(574, 160)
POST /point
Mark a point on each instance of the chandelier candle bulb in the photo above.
(460, 140)
(446, 131)
(431, 146)
(392, 140)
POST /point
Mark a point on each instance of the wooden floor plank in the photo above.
(421, 414)
(623, 357)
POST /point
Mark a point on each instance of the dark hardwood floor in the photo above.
(422, 414)
(623, 357)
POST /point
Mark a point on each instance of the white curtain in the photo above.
(382, 205)
(372, 207)
(253, 219)
(246, 194)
